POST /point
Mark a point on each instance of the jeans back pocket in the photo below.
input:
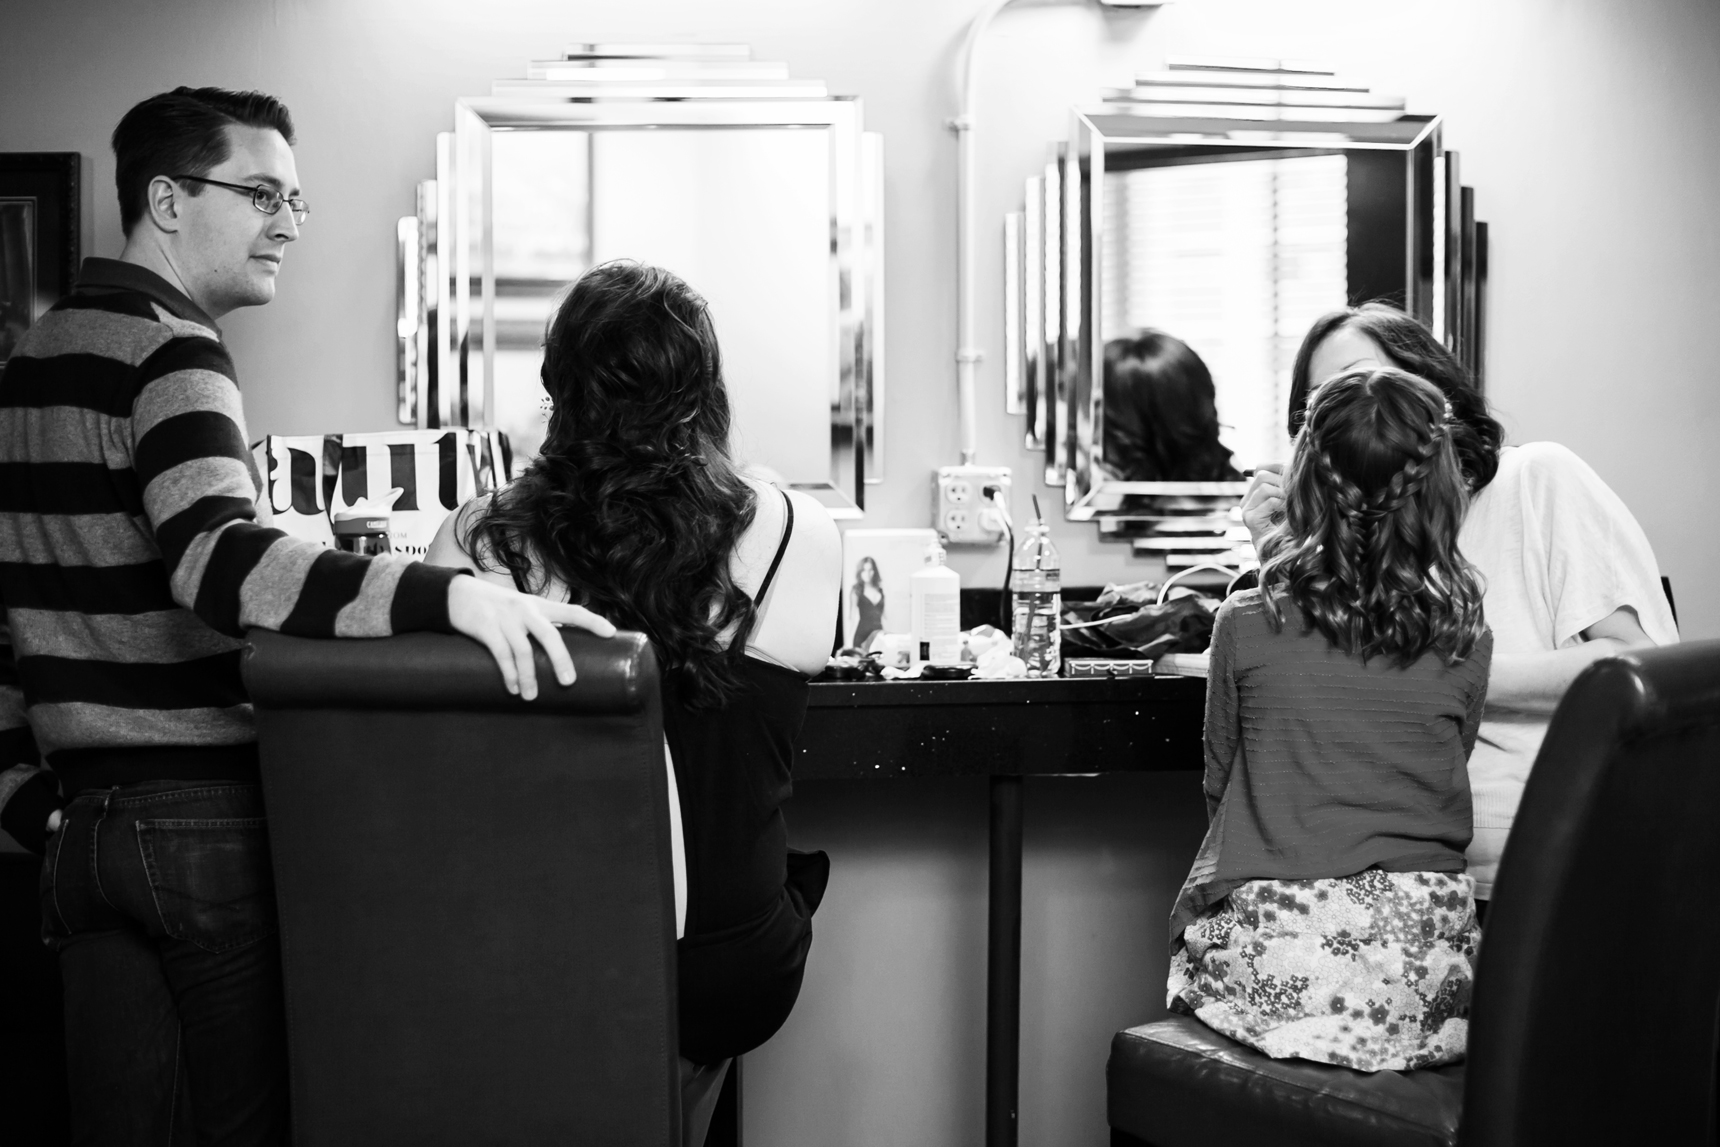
(211, 879)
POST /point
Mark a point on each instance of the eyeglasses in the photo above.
(263, 198)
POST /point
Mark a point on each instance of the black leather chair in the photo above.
(1597, 991)
(476, 900)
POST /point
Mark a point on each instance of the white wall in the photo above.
(1580, 123)
(1583, 126)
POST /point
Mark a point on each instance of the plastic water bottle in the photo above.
(1036, 578)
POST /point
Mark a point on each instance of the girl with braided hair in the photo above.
(1328, 914)
(1567, 571)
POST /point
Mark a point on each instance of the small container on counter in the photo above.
(362, 530)
(934, 610)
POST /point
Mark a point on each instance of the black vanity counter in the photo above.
(1001, 728)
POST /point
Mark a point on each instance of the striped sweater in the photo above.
(132, 558)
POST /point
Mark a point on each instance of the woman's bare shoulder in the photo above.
(815, 529)
(450, 545)
(799, 613)
(813, 540)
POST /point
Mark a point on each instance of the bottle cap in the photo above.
(368, 509)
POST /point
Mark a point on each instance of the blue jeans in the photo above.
(160, 902)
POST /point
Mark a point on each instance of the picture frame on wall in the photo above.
(40, 237)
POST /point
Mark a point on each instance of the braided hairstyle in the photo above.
(634, 503)
(1373, 499)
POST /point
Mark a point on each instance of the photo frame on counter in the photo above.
(40, 237)
(876, 566)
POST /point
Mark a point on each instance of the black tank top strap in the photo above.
(781, 548)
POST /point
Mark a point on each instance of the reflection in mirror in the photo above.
(1229, 243)
(761, 192)
(542, 236)
(1193, 228)
(1212, 272)
(741, 215)
(1161, 412)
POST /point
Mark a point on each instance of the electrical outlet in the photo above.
(962, 512)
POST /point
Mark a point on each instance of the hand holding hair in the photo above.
(1263, 505)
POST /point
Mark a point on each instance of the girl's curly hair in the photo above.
(634, 503)
(1373, 500)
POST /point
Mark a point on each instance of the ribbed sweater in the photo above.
(1321, 765)
(132, 558)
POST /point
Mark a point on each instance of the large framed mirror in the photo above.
(1169, 260)
(1205, 252)
(769, 207)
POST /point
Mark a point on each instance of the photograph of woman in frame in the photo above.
(866, 602)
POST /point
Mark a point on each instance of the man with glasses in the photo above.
(131, 563)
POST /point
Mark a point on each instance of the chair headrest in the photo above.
(1675, 686)
(437, 671)
(1615, 828)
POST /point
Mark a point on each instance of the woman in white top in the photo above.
(635, 509)
(1569, 576)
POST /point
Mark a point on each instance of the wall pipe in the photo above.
(968, 355)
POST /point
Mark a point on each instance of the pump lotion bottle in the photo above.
(934, 596)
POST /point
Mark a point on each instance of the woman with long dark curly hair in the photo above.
(635, 508)
(1569, 575)
(1161, 412)
(1328, 914)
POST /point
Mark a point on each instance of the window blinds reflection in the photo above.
(1236, 259)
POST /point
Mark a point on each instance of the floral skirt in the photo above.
(1371, 971)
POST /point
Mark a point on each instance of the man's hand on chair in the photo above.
(506, 623)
